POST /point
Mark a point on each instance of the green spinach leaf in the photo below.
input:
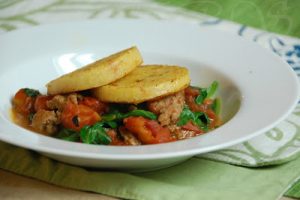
(202, 96)
(117, 116)
(31, 92)
(94, 134)
(212, 89)
(216, 106)
(69, 135)
(198, 118)
(143, 113)
(205, 93)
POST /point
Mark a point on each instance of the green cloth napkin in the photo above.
(280, 16)
(194, 179)
(198, 177)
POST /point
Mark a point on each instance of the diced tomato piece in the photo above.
(190, 96)
(114, 137)
(148, 131)
(162, 134)
(190, 91)
(136, 125)
(76, 116)
(208, 102)
(95, 104)
(41, 102)
(191, 127)
(23, 103)
(214, 119)
(211, 114)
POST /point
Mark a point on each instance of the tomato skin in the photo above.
(193, 92)
(95, 104)
(161, 134)
(41, 102)
(191, 127)
(147, 131)
(23, 103)
(136, 125)
(214, 119)
(77, 116)
(115, 140)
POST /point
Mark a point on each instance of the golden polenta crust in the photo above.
(98, 73)
(144, 83)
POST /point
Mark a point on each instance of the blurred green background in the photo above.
(279, 16)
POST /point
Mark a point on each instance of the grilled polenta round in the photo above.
(144, 83)
(98, 73)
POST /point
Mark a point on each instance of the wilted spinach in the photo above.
(198, 118)
(206, 93)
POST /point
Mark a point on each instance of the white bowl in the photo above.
(257, 88)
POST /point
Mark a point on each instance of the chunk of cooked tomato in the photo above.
(41, 102)
(190, 91)
(214, 118)
(77, 116)
(115, 140)
(192, 127)
(148, 131)
(23, 103)
(95, 104)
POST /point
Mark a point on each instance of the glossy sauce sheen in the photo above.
(21, 120)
